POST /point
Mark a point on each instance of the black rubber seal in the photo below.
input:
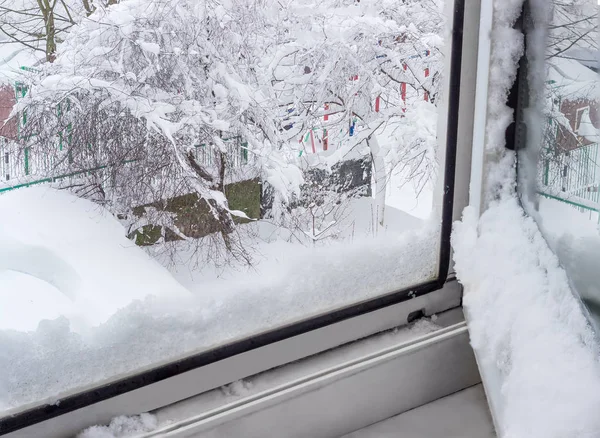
(518, 96)
(113, 389)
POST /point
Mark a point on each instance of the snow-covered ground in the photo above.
(407, 198)
(557, 218)
(81, 303)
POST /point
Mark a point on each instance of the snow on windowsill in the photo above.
(122, 426)
(167, 419)
(537, 352)
(525, 321)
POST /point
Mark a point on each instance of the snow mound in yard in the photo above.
(62, 255)
(26, 300)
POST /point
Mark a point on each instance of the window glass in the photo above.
(181, 174)
(559, 170)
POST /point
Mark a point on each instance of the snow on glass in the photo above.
(300, 139)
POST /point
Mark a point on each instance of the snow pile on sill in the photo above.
(122, 427)
(524, 320)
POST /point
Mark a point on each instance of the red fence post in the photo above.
(403, 89)
(325, 137)
(426, 96)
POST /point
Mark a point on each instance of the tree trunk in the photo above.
(48, 14)
(89, 7)
(50, 38)
(380, 177)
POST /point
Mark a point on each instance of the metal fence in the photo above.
(23, 167)
(572, 176)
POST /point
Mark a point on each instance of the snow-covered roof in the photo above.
(573, 79)
(12, 58)
(588, 57)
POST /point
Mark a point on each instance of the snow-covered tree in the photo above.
(570, 85)
(40, 25)
(573, 29)
(140, 86)
(337, 58)
(147, 90)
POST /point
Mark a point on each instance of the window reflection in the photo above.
(565, 152)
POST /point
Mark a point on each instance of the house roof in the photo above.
(587, 56)
(573, 80)
(12, 58)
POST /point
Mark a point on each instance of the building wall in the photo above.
(8, 128)
(569, 108)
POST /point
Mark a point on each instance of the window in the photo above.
(232, 176)
(559, 157)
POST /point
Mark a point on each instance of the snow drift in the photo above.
(85, 306)
(62, 255)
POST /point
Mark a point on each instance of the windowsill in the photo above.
(297, 370)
